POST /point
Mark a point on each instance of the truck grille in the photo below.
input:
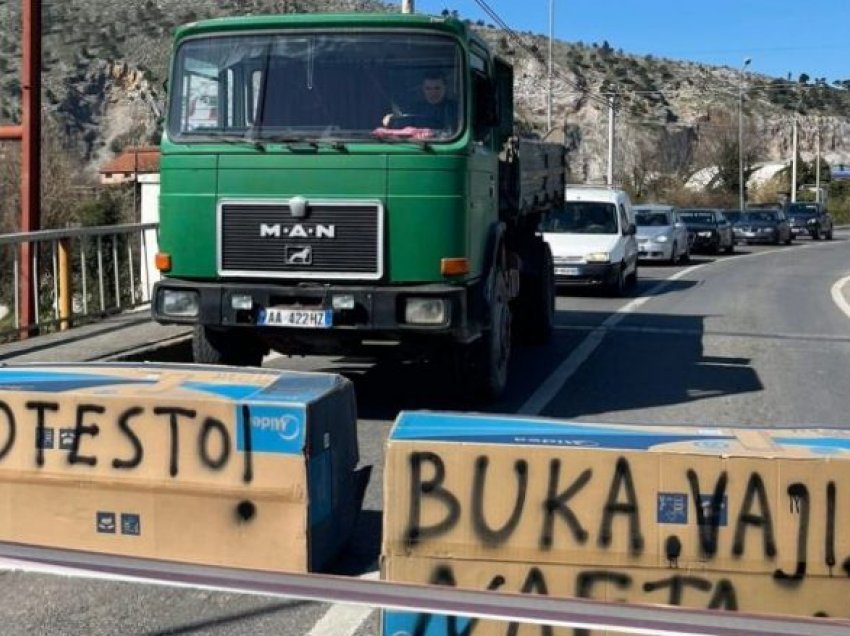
(335, 239)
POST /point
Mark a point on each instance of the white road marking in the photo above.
(343, 620)
(546, 392)
(838, 295)
(550, 387)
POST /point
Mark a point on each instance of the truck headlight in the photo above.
(178, 302)
(598, 257)
(425, 311)
(705, 234)
(661, 239)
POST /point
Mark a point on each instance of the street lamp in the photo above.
(741, 133)
(549, 78)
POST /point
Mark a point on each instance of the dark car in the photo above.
(764, 226)
(708, 230)
(810, 218)
(733, 216)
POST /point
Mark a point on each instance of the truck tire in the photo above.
(535, 307)
(828, 235)
(486, 370)
(210, 346)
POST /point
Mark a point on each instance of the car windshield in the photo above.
(697, 217)
(300, 87)
(583, 217)
(803, 209)
(733, 216)
(769, 216)
(647, 219)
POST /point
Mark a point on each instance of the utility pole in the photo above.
(610, 140)
(794, 163)
(29, 134)
(549, 93)
(741, 201)
(407, 6)
(817, 165)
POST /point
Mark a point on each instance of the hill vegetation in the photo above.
(105, 62)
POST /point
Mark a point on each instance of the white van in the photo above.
(593, 239)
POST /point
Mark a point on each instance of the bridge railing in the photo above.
(79, 275)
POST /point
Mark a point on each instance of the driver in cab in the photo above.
(433, 110)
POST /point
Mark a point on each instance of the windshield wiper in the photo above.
(312, 142)
(237, 140)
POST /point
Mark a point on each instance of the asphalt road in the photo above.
(754, 339)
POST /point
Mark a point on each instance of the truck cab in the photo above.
(306, 208)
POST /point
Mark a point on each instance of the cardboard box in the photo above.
(221, 466)
(490, 493)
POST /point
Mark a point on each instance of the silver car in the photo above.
(661, 235)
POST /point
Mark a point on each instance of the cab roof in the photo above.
(353, 21)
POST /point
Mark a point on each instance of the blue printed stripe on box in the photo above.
(446, 427)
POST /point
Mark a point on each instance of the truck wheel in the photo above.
(491, 353)
(535, 307)
(828, 235)
(225, 347)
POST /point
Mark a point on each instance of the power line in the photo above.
(535, 53)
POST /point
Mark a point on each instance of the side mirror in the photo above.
(631, 229)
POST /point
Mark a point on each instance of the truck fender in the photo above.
(495, 254)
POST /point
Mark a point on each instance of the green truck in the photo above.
(328, 181)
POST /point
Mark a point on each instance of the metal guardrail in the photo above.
(79, 274)
(523, 608)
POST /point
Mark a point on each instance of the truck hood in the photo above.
(423, 198)
(579, 245)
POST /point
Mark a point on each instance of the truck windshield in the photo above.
(310, 87)
(582, 217)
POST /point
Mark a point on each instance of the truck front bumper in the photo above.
(362, 311)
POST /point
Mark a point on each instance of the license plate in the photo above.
(567, 271)
(304, 318)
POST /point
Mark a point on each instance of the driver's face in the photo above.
(435, 90)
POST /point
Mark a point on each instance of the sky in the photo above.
(779, 36)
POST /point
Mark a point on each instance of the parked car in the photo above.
(810, 218)
(734, 217)
(593, 239)
(661, 236)
(764, 226)
(709, 229)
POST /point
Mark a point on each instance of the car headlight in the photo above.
(425, 311)
(661, 239)
(812, 221)
(705, 234)
(765, 230)
(598, 257)
(179, 302)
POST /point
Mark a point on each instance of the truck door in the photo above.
(483, 158)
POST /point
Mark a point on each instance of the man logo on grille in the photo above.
(299, 256)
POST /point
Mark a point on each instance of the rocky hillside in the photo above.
(105, 63)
